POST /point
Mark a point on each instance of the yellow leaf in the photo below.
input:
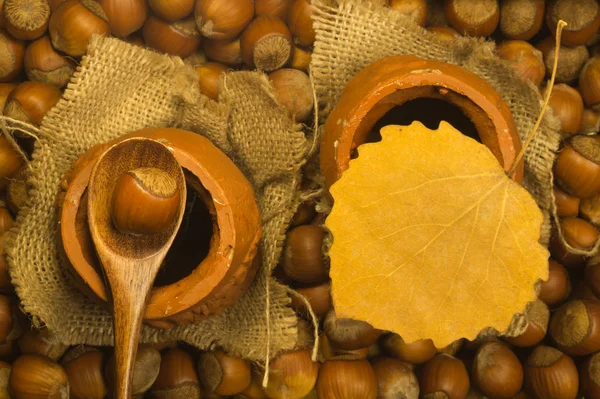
(431, 239)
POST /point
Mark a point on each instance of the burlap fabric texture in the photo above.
(121, 88)
(352, 34)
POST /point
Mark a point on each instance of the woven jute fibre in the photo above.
(119, 88)
(352, 34)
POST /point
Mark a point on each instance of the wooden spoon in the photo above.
(136, 199)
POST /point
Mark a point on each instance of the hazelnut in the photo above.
(31, 101)
(582, 18)
(177, 378)
(349, 334)
(302, 254)
(228, 52)
(11, 55)
(395, 379)
(73, 23)
(319, 299)
(180, 38)
(588, 83)
(549, 373)
(415, 9)
(26, 19)
(567, 106)
(300, 23)
(575, 327)
(524, 58)
(172, 10)
(346, 379)
(125, 16)
(294, 91)
(444, 374)
(521, 19)
(84, 366)
(566, 205)
(577, 168)
(578, 234)
(537, 316)
(266, 43)
(145, 201)
(557, 288)
(35, 376)
(292, 375)
(223, 374)
(46, 65)
(497, 371)
(473, 18)
(223, 19)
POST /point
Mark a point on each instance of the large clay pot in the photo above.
(220, 242)
(394, 81)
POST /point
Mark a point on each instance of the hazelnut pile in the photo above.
(554, 355)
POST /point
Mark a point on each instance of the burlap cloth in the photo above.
(120, 88)
(352, 34)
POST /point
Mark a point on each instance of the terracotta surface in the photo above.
(231, 263)
(394, 81)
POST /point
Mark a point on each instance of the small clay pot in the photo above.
(222, 239)
(397, 80)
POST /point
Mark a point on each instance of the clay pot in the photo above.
(398, 80)
(218, 242)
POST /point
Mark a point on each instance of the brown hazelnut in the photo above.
(46, 65)
(444, 374)
(35, 376)
(444, 32)
(549, 373)
(42, 342)
(172, 10)
(590, 122)
(180, 38)
(578, 234)
(577, 167)
(575, 327)
(589, 209)
(395, 379)
(589, 85)
(276, 8)
(582, 18)
(144, 201)
(31, 101)
(228, 52)
(84, 367)
(223, 19)
(328, 351)
(557, 288)
(497, 371)
(521, 19)
(415, 9)
(318, 297)
(73, 23)
(570, 61)
(524, 58)
(473, 18)
(294, 92)
(223, 374)
(346, 379)
(566, 205)
(567, 106)
(292, 375)
(10, 161)
(349, 333)
(302, 255)
(300, 23)
(266, 43)
(11, 55)
(177, 378)
(589, 376)
(208, 76)
(26, 19)
(125, 16)
(145, 370)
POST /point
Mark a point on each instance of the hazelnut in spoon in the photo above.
(136, 198)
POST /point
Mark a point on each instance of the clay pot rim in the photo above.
(205, 277)
(379, 84)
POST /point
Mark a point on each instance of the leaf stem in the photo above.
(559, 29)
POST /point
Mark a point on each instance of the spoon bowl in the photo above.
(131, 260)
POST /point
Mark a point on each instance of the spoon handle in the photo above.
(130, 286)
